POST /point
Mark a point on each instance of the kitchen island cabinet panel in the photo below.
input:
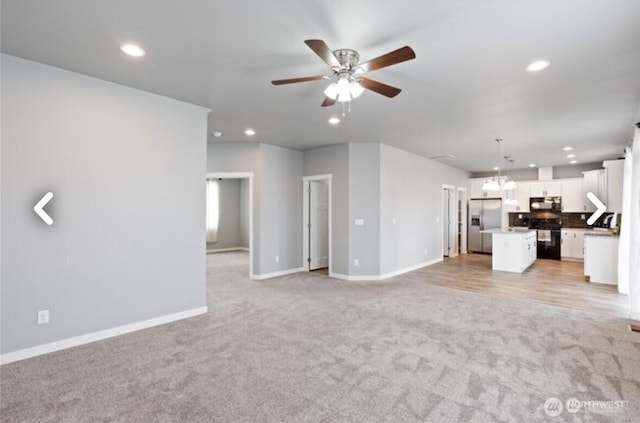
(514, 251)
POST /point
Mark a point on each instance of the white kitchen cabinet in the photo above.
(601, 258)
(513, 251)
(572, 244)
(475, 188)
(545, 189)
(594, 181)
(522, 196)
(614, 175)
(573, 200)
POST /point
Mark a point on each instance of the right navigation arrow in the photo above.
(601, 208)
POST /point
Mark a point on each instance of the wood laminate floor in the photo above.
(560, 283)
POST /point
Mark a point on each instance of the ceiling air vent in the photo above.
(441, 156)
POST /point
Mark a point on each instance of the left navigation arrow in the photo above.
(38, 208)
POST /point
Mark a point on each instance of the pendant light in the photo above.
(499, 182)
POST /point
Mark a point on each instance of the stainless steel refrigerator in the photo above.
(483, 214)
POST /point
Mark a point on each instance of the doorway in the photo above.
(244, 212)
(316, 229)
(449, 221)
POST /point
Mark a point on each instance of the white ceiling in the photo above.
(467, 86)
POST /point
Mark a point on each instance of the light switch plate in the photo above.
(359, 222)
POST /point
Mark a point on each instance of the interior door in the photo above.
(318, 224)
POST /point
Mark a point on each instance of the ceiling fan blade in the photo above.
(379, 87)
(324, 52)
(295, 80)
(397, 56)
(328, 102)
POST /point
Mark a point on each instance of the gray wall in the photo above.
(411, 193)
(281, 209)
(334, 160)
(244, 213)
(127, 170)
(364, 203)
(277, 198)
(243, 157)
(566, 171)
(229, 227)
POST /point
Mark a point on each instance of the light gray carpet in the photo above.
(307, 348)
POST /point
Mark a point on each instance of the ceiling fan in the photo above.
(346, 84)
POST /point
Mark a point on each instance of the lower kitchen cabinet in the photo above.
(601, 258)
(514, 251)
(572, 244)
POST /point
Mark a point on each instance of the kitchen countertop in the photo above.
(511, 231)
(593, 232)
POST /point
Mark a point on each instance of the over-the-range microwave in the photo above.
(545, 204)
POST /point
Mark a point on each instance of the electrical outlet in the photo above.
(394, 220)
(519, 216)
(437, 220)
(43, 317)
(277, 259)
(356, 262)
(582, 217)
(425, 251)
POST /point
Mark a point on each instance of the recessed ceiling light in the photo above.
(532, 165)
(249, 132)
(538, 65)
(216, 134)
(133, 50)
(570, 156)
(573, 161)
(568, 148)
(334, 120)
(496, 168)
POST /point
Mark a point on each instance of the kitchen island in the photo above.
(513, 250)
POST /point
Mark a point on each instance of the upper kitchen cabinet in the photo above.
(545, 189)
(475, 190)
(614, 175)
(594, 181)
(522, 194)
(573, 200)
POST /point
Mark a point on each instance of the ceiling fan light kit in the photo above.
(345, 64)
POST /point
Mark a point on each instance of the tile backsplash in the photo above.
(569, 220)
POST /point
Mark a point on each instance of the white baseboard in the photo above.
(97, 336)
(224, 250)
(411, 268)
(276, 274)
(386, 275)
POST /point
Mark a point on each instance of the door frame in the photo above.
(452, 219)
(242, 175)
(462, 204)
(305, 216)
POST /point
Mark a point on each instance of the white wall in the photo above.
(127, 170)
